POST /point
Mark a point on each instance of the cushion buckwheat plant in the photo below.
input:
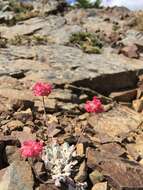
(31, 149)
(94, 106)
(59, 161)
(42, 89)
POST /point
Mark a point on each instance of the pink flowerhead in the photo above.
(42, 89)
(31, 148)
(94, 106)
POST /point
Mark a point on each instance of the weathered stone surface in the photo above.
(76, 16)
(63, 95)
(9, 140)
(17, 176)
(24, 115)
(8, 150)
(17, 104)
(14, 125)
(100, 186)
(17, 94)
(74, 67)
(108, 125)
(135, 148)
(130, 51)
(133, 37)
(112, 148)
(53, 130)
(124, 96)
(23, 136)
(82, 174)
(138, 105)
(46, 6)
(96, 177)
(80, 149)
(12, 154)
(121, 174)
(32, 25)
(54, 28)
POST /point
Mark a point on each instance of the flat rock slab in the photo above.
(32, 26)
(121, 174)
(60, 64)
(116, 124)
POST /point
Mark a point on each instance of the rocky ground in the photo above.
(82, 52)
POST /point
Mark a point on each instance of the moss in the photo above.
(88, 42)
(28, 40)
(40, 39)
(115, 27)
(3, 42)
(19, 7)
(91, 49)
(24, 16)
(22, 10)
(17, 40)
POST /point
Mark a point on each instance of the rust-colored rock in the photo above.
(115, 124)
(121, 174)
(130, 51)
(82, 174)
(124, 96)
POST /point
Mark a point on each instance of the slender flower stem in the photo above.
(44, 107)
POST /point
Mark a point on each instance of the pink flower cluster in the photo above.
(42, 89)
(94, 106)
(31, 148)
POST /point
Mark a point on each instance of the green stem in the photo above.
(44, 108)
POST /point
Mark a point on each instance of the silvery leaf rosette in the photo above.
(59, 162)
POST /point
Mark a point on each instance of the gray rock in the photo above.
(68, 65)
(6, 16)
(133, 37)
(46, 6)
(33, 26)
(18, 176)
